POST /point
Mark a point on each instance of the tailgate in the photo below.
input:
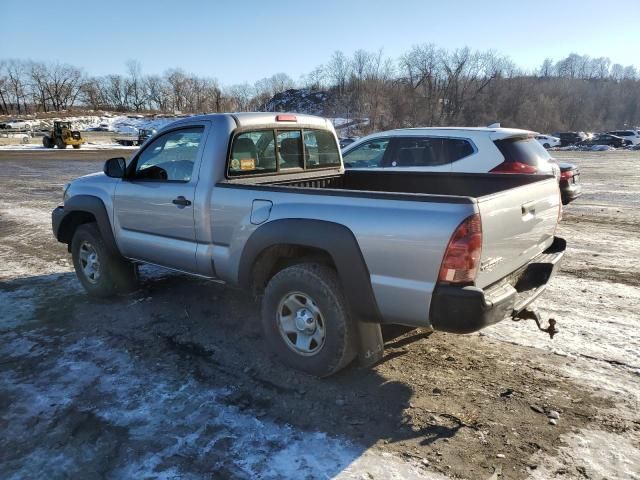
(517, 225)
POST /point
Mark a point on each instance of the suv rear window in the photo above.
(269, 151)
(523, 150)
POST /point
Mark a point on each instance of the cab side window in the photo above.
(428, 151)
(170, 157)
(367, 155)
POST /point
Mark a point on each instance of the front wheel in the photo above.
(547, 146)
(76, 146)
(100, 273)
(306, 321)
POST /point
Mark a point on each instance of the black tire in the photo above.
(320, 284)
(47, 142)
(546, 145)
(112, 275)
(60, 143)
(76, 146)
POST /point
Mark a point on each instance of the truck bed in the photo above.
(473, 185)
(519, 212)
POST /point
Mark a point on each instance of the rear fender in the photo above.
(334, 239)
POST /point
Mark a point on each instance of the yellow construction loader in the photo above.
(61, 136)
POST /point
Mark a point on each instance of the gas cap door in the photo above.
(260, 211)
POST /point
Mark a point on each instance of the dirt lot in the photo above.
(173, 381)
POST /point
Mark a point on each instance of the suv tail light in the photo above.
(514, 167)
(462, 256)
(566, 175)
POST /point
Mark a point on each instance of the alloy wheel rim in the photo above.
(301, 324)
(89, 262)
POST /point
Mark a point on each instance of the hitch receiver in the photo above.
(528, 314)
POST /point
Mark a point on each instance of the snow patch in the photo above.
(598, 454)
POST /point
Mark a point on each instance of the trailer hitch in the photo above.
(528, 314)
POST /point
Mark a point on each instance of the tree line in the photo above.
(426, 86)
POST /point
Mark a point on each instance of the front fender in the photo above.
(76, 211)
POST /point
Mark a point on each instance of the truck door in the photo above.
(154, 204)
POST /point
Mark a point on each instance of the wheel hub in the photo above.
(305, 321)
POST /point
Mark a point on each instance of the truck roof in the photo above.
(247, 119)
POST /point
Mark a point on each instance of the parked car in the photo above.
(463, 150)
(570, 186)
(262, 200)
(17, 124)
(606, 139)
(346, 141)
(632, 136)
(547, 141)
(570, 138)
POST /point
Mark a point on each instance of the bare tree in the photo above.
(136, 85)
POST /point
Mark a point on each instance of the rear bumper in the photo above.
(469, 309)
(570, 191)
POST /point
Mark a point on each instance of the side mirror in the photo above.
(115, 167)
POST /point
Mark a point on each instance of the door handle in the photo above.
(183, 202)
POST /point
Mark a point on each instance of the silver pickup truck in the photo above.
(261, 200)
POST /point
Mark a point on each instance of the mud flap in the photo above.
(371, 345)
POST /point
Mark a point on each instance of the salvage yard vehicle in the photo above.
(632, 136)
(548, 141)
(62, 135)
(570, 138)
(143, 135)
(570, 187)
(261, 200)
(606, 139)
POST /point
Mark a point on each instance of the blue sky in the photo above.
(245, 40)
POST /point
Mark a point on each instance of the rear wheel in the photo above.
(76, 146)
(546, 145)
(60, 143)
(47, 142)
(306, 320)
(101, 274)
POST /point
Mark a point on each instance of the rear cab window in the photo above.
(271, 151)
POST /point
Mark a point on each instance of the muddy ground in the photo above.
(174, 381)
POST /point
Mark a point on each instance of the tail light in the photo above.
(514, 167)
(566, 175)
(462, 256)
